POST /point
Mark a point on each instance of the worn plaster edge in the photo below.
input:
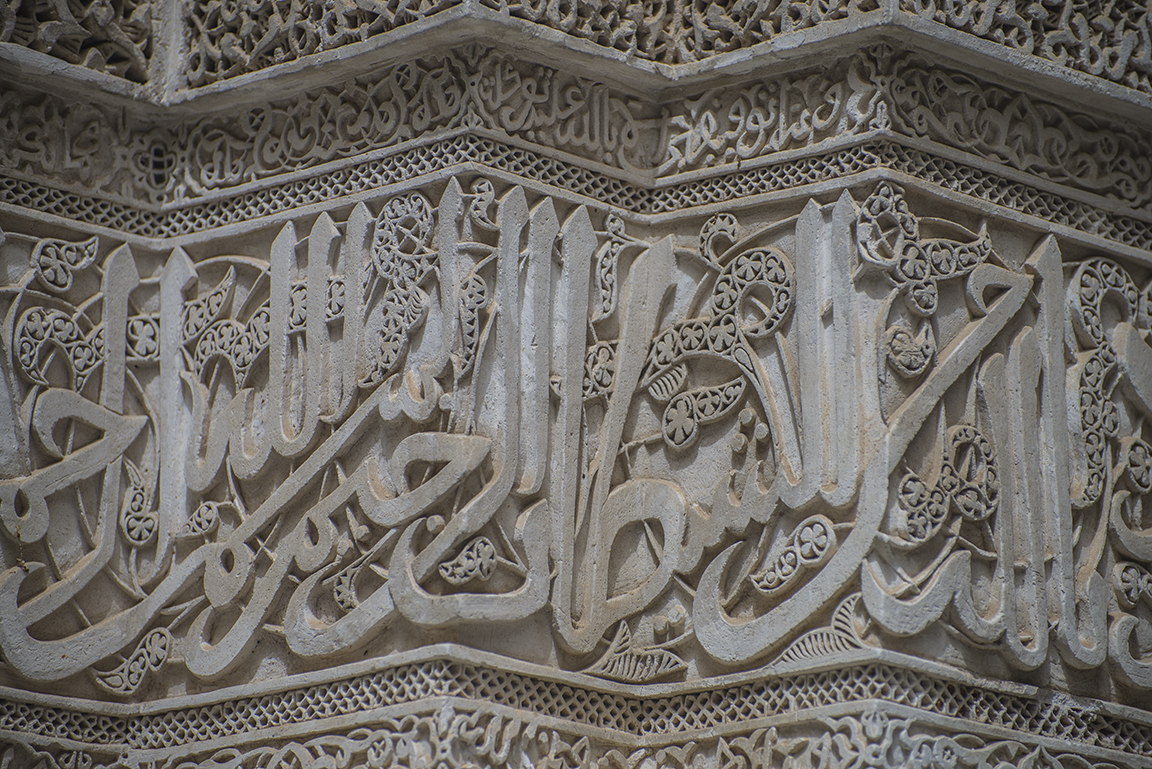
(23, 68)
(169, 48)
(80, 190)
(80, 228)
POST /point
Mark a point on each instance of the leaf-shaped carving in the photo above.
(687, 411)
(476, 561)
(202, 312)
(840, 636)
(809, 546)
(55, 260)
(151, 654)
(628, 664)
(669, 383)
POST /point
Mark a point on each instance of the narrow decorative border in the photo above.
(401, 167)
(650, 719)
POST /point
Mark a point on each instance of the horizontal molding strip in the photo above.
(636, 718)
(795, 174)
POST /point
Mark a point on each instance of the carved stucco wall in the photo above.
(746, 384)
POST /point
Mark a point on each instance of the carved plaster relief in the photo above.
(480, 90)
(366, 441)
(1109, 41)
(113, 36)
(88, 147)
(675, 33)
(880, 95)
(361, 349)
(222, 40)
(471, 411)
(1104, 40)
(230, 38)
